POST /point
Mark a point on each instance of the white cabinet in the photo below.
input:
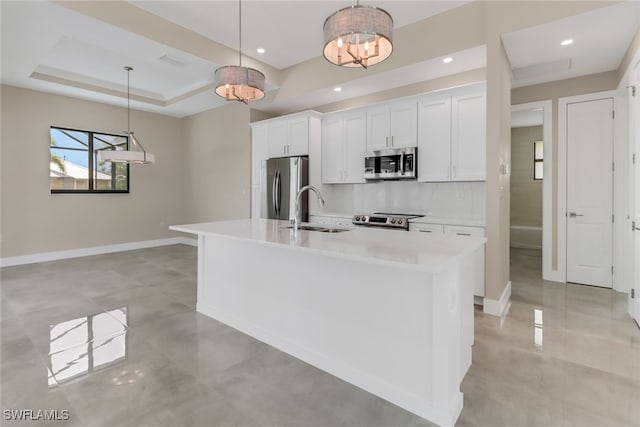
(289, 137)
(464, 230)
(452, 137)
(280, 137)
(456, 230)
(392, 125)
(426, 228)
(332, 221)
(259, 152)
(434, 140)
(468, 137)
(343, 147)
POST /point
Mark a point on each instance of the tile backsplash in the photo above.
(443, 199)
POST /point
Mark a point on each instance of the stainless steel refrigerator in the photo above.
(284, 177)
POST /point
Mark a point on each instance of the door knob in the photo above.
(573, 214)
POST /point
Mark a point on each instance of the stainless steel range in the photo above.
(383, 219)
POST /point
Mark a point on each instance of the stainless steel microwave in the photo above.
(396, 163)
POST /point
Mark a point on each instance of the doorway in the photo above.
(531, 214)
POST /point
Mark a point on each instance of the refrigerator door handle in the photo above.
(273, 192)
(278, 193)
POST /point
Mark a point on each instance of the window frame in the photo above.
(536, 160)
(90, 164)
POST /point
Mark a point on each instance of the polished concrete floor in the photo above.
(116, 341)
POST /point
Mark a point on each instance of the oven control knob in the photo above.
(393, 220)
(357, 218)
(400, 221)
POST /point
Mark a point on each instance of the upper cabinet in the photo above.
(452, 137)
(392, 126)
(343, 147)
(434, 139)
(289, 136)
(468, 137)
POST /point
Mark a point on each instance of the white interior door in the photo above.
(590, 192)
(634, 116)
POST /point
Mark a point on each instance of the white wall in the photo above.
(36, 221)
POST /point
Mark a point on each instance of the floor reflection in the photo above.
(537, 328)
(81, 346)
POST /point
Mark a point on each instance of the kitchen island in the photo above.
(386, 310)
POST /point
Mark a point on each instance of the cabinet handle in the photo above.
(426, 231)
(463, 234)
(454, 171)
(386, 141)
(392, 143)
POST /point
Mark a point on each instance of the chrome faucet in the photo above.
(295, 222)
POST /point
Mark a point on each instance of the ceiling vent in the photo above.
(173, 61)
(544, 68)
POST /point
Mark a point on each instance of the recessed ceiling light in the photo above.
(337, 89)
(567, 42)
(447, 60)
(260, 50)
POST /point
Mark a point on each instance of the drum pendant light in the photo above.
(137, 154)
(358, 36)
(238, 83)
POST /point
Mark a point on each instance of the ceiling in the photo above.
(52, 48)
(600, 40)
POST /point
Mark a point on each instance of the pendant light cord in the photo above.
(240, 32)
(128, 101)
(130, 135)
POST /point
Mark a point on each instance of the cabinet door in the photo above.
(478, 275)
(298, 136)
(403, 124)
(463, 230)
(332, 149)
(278, 139)
(434, 140)
(259, 152)
(378, 128)
(427, 228)
(468, 139)
(354, 143)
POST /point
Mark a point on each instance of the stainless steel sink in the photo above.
(320, 228)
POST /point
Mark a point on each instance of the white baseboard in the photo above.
(95, 250)
(500, 307)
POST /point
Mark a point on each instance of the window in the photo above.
(74, 166)
(538, 159)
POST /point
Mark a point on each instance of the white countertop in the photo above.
(394, 247)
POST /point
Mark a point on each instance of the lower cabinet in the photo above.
(427, 228)
(456, 230)
(332, 221)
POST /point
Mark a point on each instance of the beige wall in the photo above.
(35, 221)
(498, 157)
(217, 164)
(526, 193)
